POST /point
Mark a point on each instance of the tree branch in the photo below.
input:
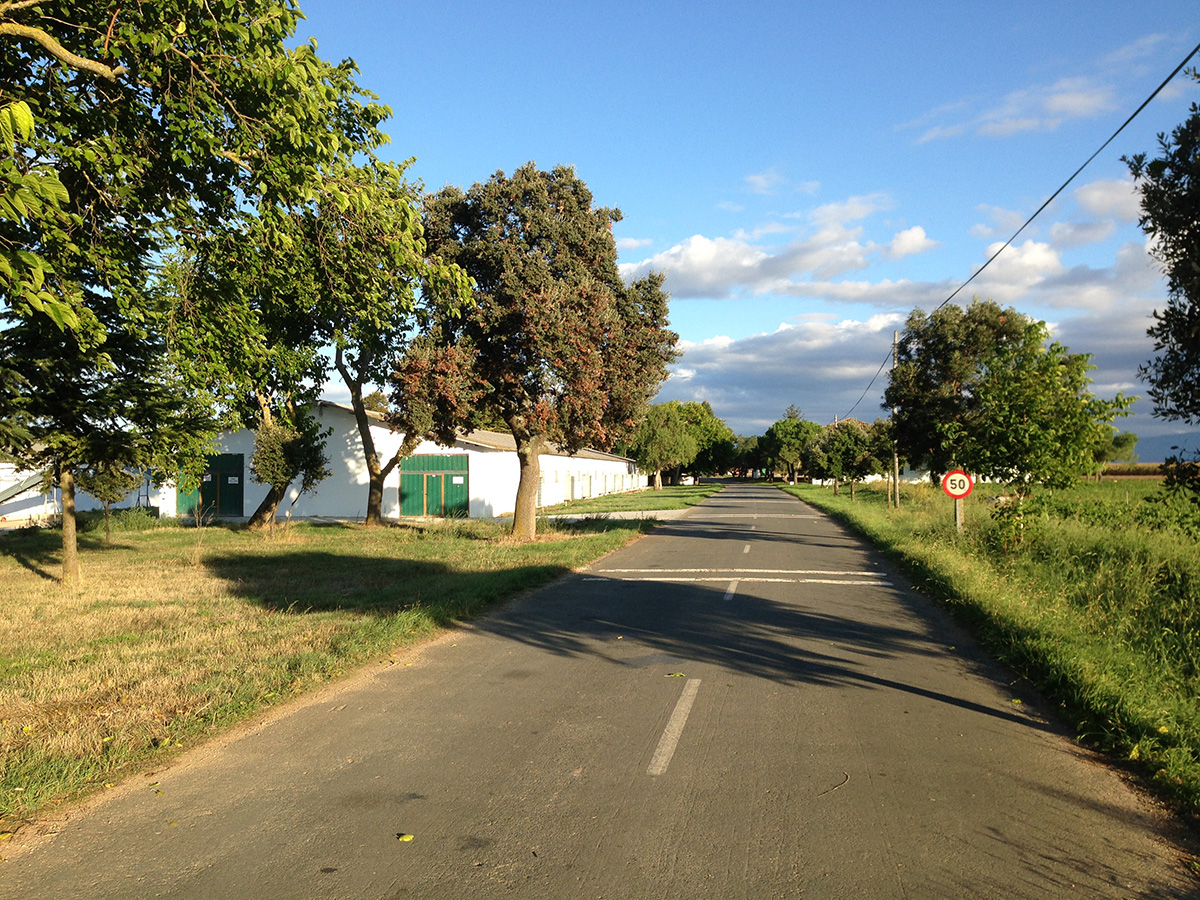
(61, 53)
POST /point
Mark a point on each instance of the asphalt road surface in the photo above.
(747, 703)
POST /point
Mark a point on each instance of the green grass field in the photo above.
(1093, 594)
(670, 497)
(178, 632)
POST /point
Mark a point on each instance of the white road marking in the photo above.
(746, 549)
(670, 737)
(731, 591)
(753, 516)
(846, 572)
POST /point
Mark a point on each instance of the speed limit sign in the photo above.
(958, 484)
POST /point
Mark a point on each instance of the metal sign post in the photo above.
(958, 484)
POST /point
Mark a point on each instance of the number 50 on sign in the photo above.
(958, 484)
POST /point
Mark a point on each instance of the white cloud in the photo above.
(767, 182)
(1117, 198)
(1078, 98)
(820, 365)
(1036, 108)
(633, 243)
(1142, 48)
(909, 242)
(1003, 222)
(850, 210)
(1080, 234)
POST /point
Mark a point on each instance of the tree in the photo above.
(984, 389)
(285, 453)
(370, 256)
(664, 440)
(748, 456)
(939, 356)
(787, 441)
(1114, 446)
(109, 483)
(1169, 186)
(563, 350)
(845, 451)
(714, 439)
(156, 118)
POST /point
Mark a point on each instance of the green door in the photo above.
(222, 489)
(435, 502)
(435, 485)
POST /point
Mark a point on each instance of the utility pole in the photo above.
(895, 450)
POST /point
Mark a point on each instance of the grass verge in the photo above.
(1092, 594)
(670, 497)
(178, 632)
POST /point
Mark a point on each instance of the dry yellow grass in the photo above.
(173, 635)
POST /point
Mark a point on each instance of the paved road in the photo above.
(745, 704)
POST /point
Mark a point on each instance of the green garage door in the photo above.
(221, 492)
(435, 485)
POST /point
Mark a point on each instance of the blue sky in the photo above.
(807, 174)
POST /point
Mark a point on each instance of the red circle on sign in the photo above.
(958, 484)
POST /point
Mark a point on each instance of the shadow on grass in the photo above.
(321, 582)
(40, 549)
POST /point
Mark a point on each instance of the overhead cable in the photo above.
(1041, 208)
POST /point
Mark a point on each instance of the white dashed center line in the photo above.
(670, 738)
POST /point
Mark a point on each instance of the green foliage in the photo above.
(1170, 193)
(789, 442)
(562, 349)
(714, 439)
(109, 482)
(664, 440)
(149, 120)
(845, 451)
(1115, 446)
(286, 453)
(982, 389)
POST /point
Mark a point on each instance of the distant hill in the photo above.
(1158, 448)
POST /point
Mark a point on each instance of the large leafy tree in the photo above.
(1169, 186)
(844, 452)
(664, 439)
(564, 350)
(155, 118)
(939, 357)
(715, 447)
(787, 442)
(986, 389)
(370, 258)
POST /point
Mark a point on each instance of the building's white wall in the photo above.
(30, 504)
(493, 473)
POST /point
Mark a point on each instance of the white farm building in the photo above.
(476, 477)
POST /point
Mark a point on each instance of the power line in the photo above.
(1041, 208)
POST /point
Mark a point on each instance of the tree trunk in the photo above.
(852, 483)
(264, 516)
(70, 546)
(525, 513)
(375, 491)
(658, 480)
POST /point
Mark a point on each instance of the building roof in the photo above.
(495, 440)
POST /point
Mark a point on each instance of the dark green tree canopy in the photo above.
(664, 439)
(986, 389)
(563, 349)
(1170, 192)
(788, 441)
(148, 120)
